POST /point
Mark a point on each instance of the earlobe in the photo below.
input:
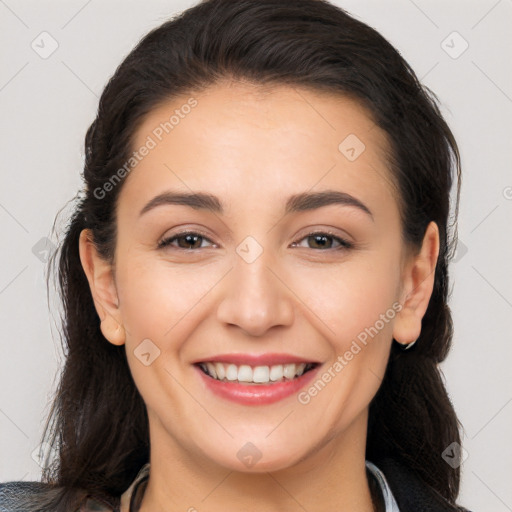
(113, 331)
(418, 283)
(103, 290)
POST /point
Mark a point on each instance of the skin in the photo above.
(254, 147)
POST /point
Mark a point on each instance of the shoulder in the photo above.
(410, 492)
(41, 497)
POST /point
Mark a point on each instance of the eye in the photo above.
(321, 240)
(185, 240)
(191, 240)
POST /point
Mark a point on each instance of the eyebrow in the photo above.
(295, 203)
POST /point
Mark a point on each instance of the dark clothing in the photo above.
(411, 494)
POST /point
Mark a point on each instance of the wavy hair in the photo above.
(301, 43)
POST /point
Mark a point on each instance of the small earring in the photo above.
(407, 346)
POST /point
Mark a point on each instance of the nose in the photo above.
(255, 297)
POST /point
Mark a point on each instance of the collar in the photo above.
(127, 495)
(411, 493)
(389, 499)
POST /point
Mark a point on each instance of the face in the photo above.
(260, 276)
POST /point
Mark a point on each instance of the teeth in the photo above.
(260, 374)
(256, 375)
(211, 369)
(276, 372)
(231, 372)
(220, 371)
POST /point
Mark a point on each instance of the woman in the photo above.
(255, 277)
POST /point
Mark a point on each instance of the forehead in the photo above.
(262, 142)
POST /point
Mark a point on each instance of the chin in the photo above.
(249, 457)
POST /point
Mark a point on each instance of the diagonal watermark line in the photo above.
(13, 423)
(502, 296)
(431, 69)
(280, 423)
(13, 218)
(300, 299)
(199, 403)
(309, 103)
(202, 297)
(76, 14)
(491, 491)
(309, 190)
(492, 81)
(13, 13)
(486, 14)
(386, 178)
(12, 280)
(378, 376)
(484, 219)
(80, 79)
(220, 483)
(287, 492)
(14, 76)
(503, 407)
(424, 13)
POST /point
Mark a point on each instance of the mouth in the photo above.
(255, 375)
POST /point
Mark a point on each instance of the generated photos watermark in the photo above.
(305, 397)
(151, 142)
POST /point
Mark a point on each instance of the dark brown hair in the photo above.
(98, 422)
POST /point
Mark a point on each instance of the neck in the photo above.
(333, 473)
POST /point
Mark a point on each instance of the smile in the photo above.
(255, 385)
(263, 375)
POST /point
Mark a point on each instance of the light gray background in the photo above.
(47, 105)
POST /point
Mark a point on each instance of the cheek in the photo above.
(157, 298)
(348, 299)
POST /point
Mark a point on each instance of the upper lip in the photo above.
(269, 359)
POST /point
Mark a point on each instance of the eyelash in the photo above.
(344, 244)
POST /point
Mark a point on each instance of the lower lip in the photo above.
(257, 394)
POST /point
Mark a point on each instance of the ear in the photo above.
(100, 276)
(417, 285)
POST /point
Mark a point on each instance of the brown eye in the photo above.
(321, 240)
(187, 241)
